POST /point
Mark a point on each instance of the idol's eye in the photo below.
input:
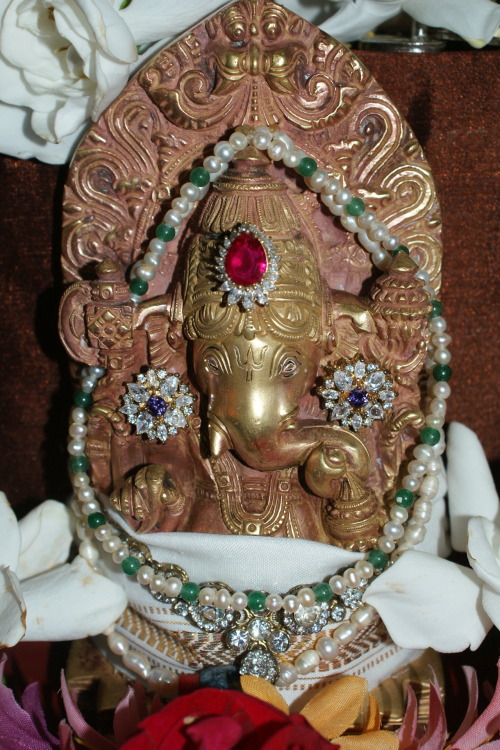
(212, 364)
(289, 367)
(236, 31)
(272, 29)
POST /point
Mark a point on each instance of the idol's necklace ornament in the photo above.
(247, 265)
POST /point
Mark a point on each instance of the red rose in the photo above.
(211, 719)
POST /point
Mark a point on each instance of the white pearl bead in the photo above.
(386, 544)
(283, 138)
(158, 247)
(157, 584)
(82, 530)
(112, 544)
(421, 516)
(97, 372)
(173, 586)
(224, 151)
(437, 325)
(429, 486)
(331, 186)
(163, 680)
(307, 661)
(306, 597)
(276, 151)
(438, 406)
(238, 141)
(441, 339)
(287, 674)
(442, 356)
(137, 663)
(411, 483)
(345, 633)
(364, 568)
(291, 603)
(103, 532)
(415, 533)
(204, 190)
(366, 219)
(363, 616)
(190, 191)
(88, 384)
(391, 242)
(398, 514)
(293, 158)
(274, 602)
(80, 479)
(317, 180)
(351, 578)
(78, 415)
(434, 420)
(145, 272)
(145, 575)
(212, 164)
(76, 447)
(393, 530)
(182, 205)
(335, 208)
(120, 554)
(343, 196)
(261, 140)
(91, 506)
(377, 231)
(86, 495)
(422, 504)
(117, 644)
(338, 584)
(327, 648)
(349, 223)
(152, 259)
(421, 274)
(135, 298)
(206, 596)
(172, 217)
(434, 467)
(77, 430)
(223, 599)
(441, 390)
(367, 243)
(240, 601)
(215, 175)
(417, 468)
(380, 258)
(88, 551)
(423, 452)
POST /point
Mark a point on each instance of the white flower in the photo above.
(42, 599)
(475, 20)
(483, 551)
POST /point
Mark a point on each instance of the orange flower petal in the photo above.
(372, 721)
(260, 688)
(381, 740)
(336, 706)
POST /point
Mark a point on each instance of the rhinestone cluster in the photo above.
(158, 404)
(357, 393)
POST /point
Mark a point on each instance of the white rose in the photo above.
(62, 61)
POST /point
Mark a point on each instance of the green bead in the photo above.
(307, 166)
(442, 372)
(355, 207)
(404, 498)
(190, 591)
(82, 399)
(130, 565)
(323, 592)
(199, 176)
(138, 286)
(430, 436)
(437, 309)
(79, 463)
(165, 232)
(401, 249)
(257, 601)
(378, 558)
(95, 520)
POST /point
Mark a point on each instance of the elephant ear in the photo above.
(72, 324)
(162, 318)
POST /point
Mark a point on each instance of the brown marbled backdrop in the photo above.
(450, 102)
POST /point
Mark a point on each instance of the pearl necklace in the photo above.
(423, 470)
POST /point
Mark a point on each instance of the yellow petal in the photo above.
(370, 741)
(336, 706)
(372, 721)
(260, 688)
